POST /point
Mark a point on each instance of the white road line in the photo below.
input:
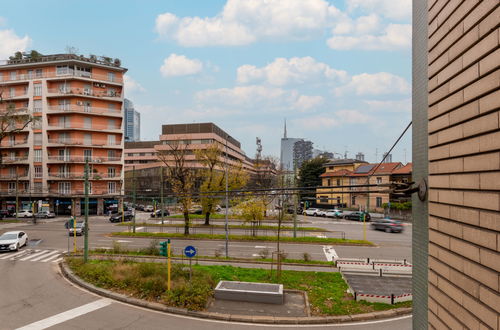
(260, 247)
(255, 255)
(50, 258)
(9, 255)
(57, 260)
(330, 253)
(139, 228)
(34, 255)
(321, 236)
(123, 241)
(46, 255)
(66, 316)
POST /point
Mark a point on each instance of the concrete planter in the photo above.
(252, 292)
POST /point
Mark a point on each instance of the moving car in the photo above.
(25, 214)
(148, 208)
(80, 228)
(312, 211)
(388, 225)
(334, 213)
(45, 214)
(157, 213)
(13, 240)
(357, 216)
(117, 217)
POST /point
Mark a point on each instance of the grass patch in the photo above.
(248, 238)
(326, 291)
(220, 216)
(195, 225)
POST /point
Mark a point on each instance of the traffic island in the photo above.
(127, 281)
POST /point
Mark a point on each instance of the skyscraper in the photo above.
(286, 155)
(132, 122)
(302, 151)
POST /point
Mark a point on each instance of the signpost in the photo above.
(165, 251)
(190, 252)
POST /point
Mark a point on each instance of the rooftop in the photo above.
(344, 161)
(25, 59)
(198, 128)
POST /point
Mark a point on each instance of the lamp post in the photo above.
(226, 226)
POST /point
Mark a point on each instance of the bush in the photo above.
(306, 256)
(153, 248)
(264, 254)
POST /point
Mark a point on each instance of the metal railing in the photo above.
(83, 159)
(10, 160)
(82, 109)
(81, 142)
(84, 92)
(83, 126)
(81, 175)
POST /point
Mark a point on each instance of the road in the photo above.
(35, 296)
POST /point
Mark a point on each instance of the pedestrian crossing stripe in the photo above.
(34, 255)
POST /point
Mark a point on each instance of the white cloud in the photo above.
(352, 116)
(131, 85)
(296, 70)
(399, 9)
(258, 98)
(381, 83)
(317, 122)
(11, 43)
(179, 65)
(243, 22)
(394, 37)
(403, 105)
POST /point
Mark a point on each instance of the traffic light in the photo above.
(163, 249)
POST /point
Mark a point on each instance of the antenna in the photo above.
(284, 135)
(376, 155)
(405, 154)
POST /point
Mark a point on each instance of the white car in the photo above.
(80, 228)
(149, 208)
(25, 214)
(334, 213)
(312, 211)
(13, 240)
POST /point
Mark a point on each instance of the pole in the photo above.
(123, 212)
(294, 209)
(86, 223)
(161, 195)
(367, 210)
(226, 227)
(168, 264)
(135, 206)
(74, 235)
(17, 195)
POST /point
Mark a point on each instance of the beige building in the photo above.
(456, 100)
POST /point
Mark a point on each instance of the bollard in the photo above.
(380, 272)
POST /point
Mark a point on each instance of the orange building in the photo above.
(77, 104)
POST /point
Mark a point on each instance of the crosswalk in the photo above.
(34, 255)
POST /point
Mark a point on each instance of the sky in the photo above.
(339, 72)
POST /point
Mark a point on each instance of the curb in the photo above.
(68, 274)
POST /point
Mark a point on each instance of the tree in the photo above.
(265, 178)
(252, 210)
(214, 175)
(12, 121)
(309, 174)
(180, 177)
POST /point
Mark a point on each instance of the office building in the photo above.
(132, 122)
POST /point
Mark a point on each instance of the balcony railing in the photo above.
(82, 159)
(15, 112)
(69, 125)
(69, 73)
(14, 160)
(81, 176)
(81, 192)
(14, 144)
(13, 176)
(84, 92)
(82, 109)
(81, 142)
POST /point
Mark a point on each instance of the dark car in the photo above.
(45, 214)
(289, 210)
(357, 216)
(5, 214)
(388, 225)
(157, 213)
(117, 217)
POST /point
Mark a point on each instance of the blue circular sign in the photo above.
(189, 251)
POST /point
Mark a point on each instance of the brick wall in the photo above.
(464, 163)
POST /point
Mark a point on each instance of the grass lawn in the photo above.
(247, 238)
(221, 216)
(326, 291)
(195, 225)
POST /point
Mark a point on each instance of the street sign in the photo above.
(189, 251)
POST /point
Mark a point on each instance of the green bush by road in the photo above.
(196, 225)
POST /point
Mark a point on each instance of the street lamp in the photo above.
(226, 226)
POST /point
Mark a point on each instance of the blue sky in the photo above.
(338, 71)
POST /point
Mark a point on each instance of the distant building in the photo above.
(286, 155)
(302, 151)
(132, 122)
(322, 153)
(360, 156)
(387, 157)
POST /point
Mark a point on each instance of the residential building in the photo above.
(302, 151)
(456, 152)
(76, 103)
(140, 153)
(132, 122)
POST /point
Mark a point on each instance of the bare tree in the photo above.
(12, 121)
(265, 177)
(180, 176)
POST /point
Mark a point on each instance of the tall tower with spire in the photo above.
(286, 156)
(284, 135)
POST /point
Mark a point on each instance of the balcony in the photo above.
(14, 144)
(89, 110)
(81, 192)
(65, 176)
(13, 176)
(63, 75)
(82, 159)
(15, 97)
(81, 126)
(90, 93)
(14, 160)
(82, 143)
(15, 112)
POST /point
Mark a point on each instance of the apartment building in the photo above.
(456, 151)
(76, 103)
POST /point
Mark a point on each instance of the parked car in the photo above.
(157, 213)
(312, 211)
(24, 214)
(289, 210)
(80, 229)
(321, 213)
(45, 214)
(357, 216)
(140, 207)
(149, 208)
(335, 213)
(117, 217)
(388, 225)
(13, 240)
(5, 214)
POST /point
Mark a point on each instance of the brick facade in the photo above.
(464, 164)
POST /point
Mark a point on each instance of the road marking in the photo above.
(330, 253)
(123, 241)
(52, 257)
(33, 255)
(321, 236)
(256, 255)
(45, 255)
(14, 255)
(260, 247)
(68, 315)
(57, 260)
(139, 228)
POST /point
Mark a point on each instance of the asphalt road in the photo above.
(36, 296)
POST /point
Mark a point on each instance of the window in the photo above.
(37, 155)
(89, 183)
(379, 201)
(12, 187)
(64, 121)
(111, 187)
(323, 199)
(37, 105)
(12, 92)
(111, 124)
(64, 155)
(87, 106)
(328, 182)
(111, 106)
(36, 124)
(26, 186)
(338, 182)
(13, 75)
(87, 139)
(64, 171)
(38, 89)
(87, 155)
(87, 122)
(38, 73)
(111, 154)
(64, 105)
(63, 137)
(64, 88)
(379, 180)
(37, 186)
(64, 187)
(111, 140)
(12, 172)
(38, 172)
(83, 72)
(111, 76)
(12, 155)
(111, 92)
(353, 201)
(111, 172)
(87, 90)
(30, 74)
(62, 70)
(37, 138)
(12, 140)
